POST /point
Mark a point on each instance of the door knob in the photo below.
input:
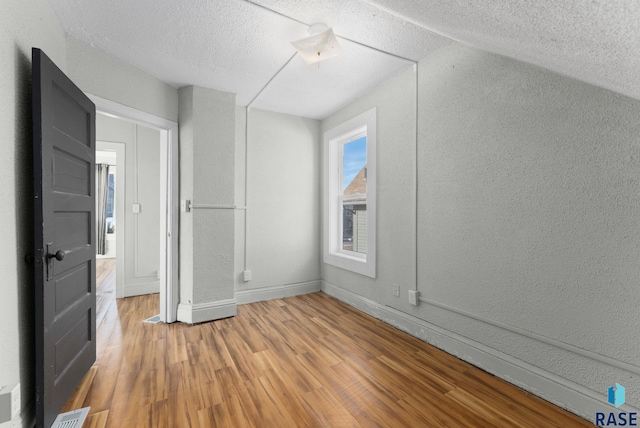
(59, 255)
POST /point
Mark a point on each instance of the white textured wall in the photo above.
(528, 215)
(207, 175)
(98, 73)
(240, 201)
(142, 231)
(528, 200)
(23, 24)
(186, 121)
(283, 230)
(395, 182)
(213, 178)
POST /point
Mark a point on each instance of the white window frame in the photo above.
(334, 139)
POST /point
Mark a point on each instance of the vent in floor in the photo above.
(153, 320)
(73, 419)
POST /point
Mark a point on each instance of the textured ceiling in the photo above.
(244, 46)
(597, 41)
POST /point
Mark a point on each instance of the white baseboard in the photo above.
(140, 289)
(17, 422)
(26, 418)
(555, 389)
(203, 312)
(277, 292)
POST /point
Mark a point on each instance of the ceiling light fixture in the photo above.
(321, 44)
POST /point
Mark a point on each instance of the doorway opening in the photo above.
(106, 197)
(167, 202)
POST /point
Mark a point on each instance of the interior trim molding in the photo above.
(169, 233)
(26, 418)
(133, 115)
(142, 288)
(565, 394)
(277, 292)
(540, 338)
(191, 313)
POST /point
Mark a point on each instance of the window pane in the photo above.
(347, 227)
(111, 224)
(354, 191)
(354, 226)
(354, 167)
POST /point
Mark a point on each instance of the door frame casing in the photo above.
(169, 187)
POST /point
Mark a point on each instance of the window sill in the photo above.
(355, 264)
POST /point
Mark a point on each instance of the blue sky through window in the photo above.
(355, 157)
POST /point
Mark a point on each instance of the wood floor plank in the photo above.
(306, 361)
(97, 420)
(80, 395)
(101, 392)
(328, 410)
(293, 404)
(240, 406)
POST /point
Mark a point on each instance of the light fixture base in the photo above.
(321, 45)
(317, 28)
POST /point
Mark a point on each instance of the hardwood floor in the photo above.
(306, 361)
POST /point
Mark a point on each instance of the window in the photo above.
(111, 200)
(350, 195)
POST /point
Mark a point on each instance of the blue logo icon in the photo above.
(616, 395)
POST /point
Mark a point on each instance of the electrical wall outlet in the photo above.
(396, 290)
(247, 275)
(414, 296)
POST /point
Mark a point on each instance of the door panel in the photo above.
(70, 173)
(70, 286)
(64, 203)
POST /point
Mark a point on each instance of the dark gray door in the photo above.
(65, 262)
